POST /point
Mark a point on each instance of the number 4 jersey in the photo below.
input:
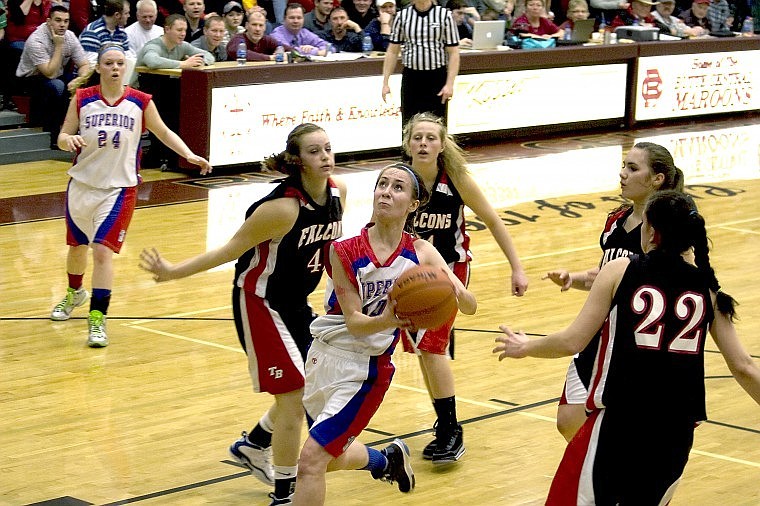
(111, 157)
(651, 354)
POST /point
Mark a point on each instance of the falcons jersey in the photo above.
(651, 350)
(373, 280)
(286, 270)
(442, 222)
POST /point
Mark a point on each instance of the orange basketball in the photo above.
(424, 295)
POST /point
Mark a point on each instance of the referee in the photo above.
(430, 58)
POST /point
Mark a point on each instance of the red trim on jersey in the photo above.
(252, 277)
(273, 355)
(565, 485)
(599, 369)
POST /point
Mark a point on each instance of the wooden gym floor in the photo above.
(148, 419)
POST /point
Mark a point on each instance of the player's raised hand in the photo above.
(511, 344)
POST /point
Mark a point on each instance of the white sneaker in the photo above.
(97, 324)
(73, 299)
(254, 457)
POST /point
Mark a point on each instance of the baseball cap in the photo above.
(232, 6)
(380, 3)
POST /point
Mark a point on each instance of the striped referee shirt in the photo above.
(424, 36)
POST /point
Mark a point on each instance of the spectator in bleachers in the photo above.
(379, 29)
(82, 12)
(213, 37)
(576, 10)
(3, 20)
(145, 28)
(294, 34)
(697, 16)
(24, 16)
(107, 28)
(534, 23)
(6, 70)
(42, 68)
(670, 24)
(318, 20)
(360, 11)
(260, 47)
(345, 35)
(639, 13)
(169, 51)
(465, 17)
(501, 9)
(233, 15)
(194, 11)
(719, 14)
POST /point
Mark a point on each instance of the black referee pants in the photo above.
(419, 92)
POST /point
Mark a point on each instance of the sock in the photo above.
(75, 280)
(446, 409)
(285, 481)
(376, 464)
(261, 435)
(100, 300)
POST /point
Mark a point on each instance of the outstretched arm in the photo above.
(474, 199)
(575, 337)
(578, 280)
(155, 124)
(271, 219)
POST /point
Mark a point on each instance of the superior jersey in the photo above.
(373, 280)
(111, 157)
(285, 271)
(651, 352)
(442, 221)
(615, 242)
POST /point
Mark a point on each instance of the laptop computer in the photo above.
(582, 30)
(488, 34)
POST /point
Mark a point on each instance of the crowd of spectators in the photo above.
(205, 31)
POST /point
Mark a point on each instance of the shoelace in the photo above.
(67, 301)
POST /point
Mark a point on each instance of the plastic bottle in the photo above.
(279, 55)
(748, 27)
(568, 33)
(330, 49)
(602, 28)
(242, 51)
(367, 45)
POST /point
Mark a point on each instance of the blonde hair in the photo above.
(452, 158)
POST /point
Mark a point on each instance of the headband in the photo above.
(108, 47)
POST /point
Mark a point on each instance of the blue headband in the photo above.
(108, 47)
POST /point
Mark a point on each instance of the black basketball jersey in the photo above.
(442, 222)
(615, 242)
(651, 351)
(285, 271)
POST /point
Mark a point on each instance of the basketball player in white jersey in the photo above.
(349, 367)
(103, 127)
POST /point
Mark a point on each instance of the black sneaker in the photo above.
(449, 447)
(399, 468)
(427, 452)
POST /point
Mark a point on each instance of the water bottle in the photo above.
(330, 49)
(602, 28)
(367, 45)
(748, 27)
(635, 22)
(568, 33)
(279, 55)
(242, 51)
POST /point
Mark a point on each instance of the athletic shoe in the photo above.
(277, 501)
(427, 452)
(449, 447)
(97, 323)
(255, 458)
(399, 468)
(73, 299)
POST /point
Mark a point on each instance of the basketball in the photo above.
(425, 295)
